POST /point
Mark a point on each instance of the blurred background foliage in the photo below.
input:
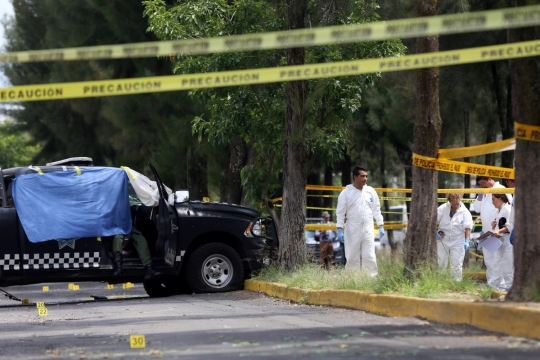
(193, 138)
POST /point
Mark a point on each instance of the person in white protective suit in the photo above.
(360, 204)
(484, 205)
(504, 256)
(454, 233)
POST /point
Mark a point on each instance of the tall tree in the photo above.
(525, 108)
(427, 132)
(295, 152)
(284, 124)
(123, 130)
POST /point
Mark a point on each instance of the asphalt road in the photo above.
(233, 325)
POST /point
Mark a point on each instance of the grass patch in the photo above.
(431, 282)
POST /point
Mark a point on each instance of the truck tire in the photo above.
(214, 267)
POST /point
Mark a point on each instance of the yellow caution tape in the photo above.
(78, 170)
(38, 169)
(399, 190)
(527, 132)
(475, 254)
(454, 153)
(477, 191)
(406, 28)
(312, 227)
(339, 188)
(461, 167)
(87, 89)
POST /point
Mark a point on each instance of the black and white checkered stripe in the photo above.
(50, 261)
(10, 262)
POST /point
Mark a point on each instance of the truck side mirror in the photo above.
(181, 196)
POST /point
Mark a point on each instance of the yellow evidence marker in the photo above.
(110, 286)
(42, 311)
(25, 301)
(137, 341)
(45, 288)
(70, 286)
(75, 287)
(40, 304)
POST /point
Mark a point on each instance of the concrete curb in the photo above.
(501, 317)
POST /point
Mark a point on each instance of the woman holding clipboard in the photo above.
(504, 256)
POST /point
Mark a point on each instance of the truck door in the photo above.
(56, 258)
(10, 261)
(166, 220)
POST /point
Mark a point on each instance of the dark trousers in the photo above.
(327, 253)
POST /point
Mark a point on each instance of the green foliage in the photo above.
(120, 130)
(16, 148)
(257, 112)
(430, 282)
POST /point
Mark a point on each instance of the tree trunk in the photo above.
(421, 239)
(384, 184)
(525, 108)
(197, 175)
(504, 122)
(292, 250)
(467, 177)
(238, 158)
(467, 127)
(314, 201)
(346, 170)
(328, 181)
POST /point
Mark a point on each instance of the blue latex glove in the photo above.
(340, 236)
(479, 196)
(381, 231)
(467, 244)
(512, 237)
(438, 235)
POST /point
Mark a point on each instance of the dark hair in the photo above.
(357, 169)
(503, 197)
(479, 178)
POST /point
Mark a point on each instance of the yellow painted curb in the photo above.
(504, 318)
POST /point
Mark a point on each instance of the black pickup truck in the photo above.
(198, 246)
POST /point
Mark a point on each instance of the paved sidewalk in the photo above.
(513, 319)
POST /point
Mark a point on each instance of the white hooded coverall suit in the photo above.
(451, 246)
(503, 259)
(488, 213)
(360, 207)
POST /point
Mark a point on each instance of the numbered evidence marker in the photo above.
(137, 341)
(110, 286)
(70, 286)
(42, 311)
(45, 288)
(40, 304)
(25, 301)
(75, 287)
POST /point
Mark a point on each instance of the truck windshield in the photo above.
(133, 198)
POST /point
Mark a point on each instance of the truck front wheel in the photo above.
(215, 267)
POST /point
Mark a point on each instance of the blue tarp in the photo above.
(64, 205)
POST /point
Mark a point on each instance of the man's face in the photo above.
(361, 179)
(486, 183)
(326, 218)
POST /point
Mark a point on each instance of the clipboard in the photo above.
(486, 235)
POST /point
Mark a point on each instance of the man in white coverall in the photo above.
(488, 212)
(360, 204)
(455, 224)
